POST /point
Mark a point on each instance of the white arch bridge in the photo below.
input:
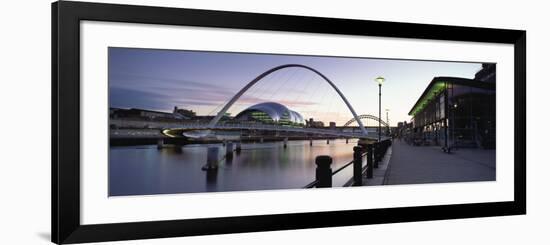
(205, 129)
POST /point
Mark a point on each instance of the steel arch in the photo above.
(366, 116)
(258, 78)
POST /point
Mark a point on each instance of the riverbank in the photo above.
(135, 137)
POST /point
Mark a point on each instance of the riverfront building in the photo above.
(177, 114)
(139, 113)
(456, 112)
(271, 113)
(314, 124)
(180, 113)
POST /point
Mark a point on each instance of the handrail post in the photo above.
(357, 166)
(323, 172)
(369, 161)
(376, 154)
(386, 146)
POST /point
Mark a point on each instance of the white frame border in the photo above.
(97, 208)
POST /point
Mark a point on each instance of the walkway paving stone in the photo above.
(424, 164)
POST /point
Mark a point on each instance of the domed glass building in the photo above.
(271, 113)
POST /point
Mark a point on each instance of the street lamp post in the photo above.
(379, 80)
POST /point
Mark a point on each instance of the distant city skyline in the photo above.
(156, 79)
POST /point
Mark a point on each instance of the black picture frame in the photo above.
(65, 167)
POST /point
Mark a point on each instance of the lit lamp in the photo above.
(379, 80)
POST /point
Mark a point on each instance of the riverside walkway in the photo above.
(406, 164)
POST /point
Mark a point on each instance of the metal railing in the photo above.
(374, 153)
(315, 182)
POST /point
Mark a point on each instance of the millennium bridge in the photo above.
(203, 130)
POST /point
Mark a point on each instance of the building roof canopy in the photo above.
(438, 84)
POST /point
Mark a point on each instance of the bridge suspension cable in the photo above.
(222, 112)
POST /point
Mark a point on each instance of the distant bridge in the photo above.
(366, 116)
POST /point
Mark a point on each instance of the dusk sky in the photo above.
(204, 81)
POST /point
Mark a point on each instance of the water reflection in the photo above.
(211, 179)
(260, 166)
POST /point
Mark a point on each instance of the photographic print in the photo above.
(183, 121)
(298, 122)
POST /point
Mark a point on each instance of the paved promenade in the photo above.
(426, 164)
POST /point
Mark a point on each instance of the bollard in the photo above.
(238, 150)
(211, 159)
(357, 166)
(229, 150)
(285, 142)
(160, 143)
(346, 140)
(328, 141)
(323, 172)
(369, 162)
(310, 142)
(376, 150)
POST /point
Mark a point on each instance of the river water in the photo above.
(146, 170)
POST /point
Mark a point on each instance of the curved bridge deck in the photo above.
(317, 131)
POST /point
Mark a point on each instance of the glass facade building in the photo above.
(455, 112)
(271, 113)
